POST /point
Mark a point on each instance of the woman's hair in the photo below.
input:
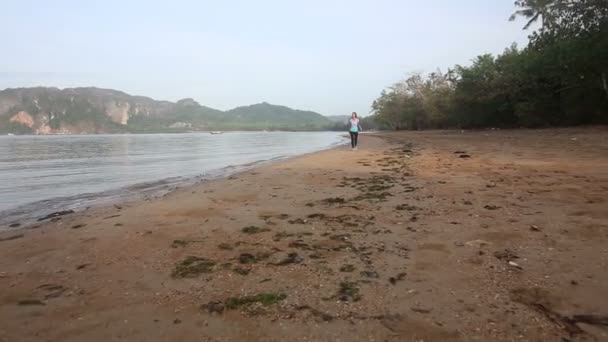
(354, 114)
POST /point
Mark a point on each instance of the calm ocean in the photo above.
(42, 174)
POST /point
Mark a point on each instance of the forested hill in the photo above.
(265, 115)
(559, 79)
(93, 110)
(339, 118)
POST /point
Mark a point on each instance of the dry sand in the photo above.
(404, 240)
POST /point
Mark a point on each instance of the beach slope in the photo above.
(434, 236)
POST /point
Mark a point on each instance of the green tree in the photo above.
(560, 78)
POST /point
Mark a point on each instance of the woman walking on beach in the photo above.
(355, 128)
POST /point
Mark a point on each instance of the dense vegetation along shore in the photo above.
(559, 79)
(434, 236)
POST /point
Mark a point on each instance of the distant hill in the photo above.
(94, 110)
(265, 115)
(339, 118)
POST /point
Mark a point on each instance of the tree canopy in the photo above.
(560, 78)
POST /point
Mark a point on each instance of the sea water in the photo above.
(42, 174)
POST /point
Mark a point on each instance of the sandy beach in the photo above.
(418, 236)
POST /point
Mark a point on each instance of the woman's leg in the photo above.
(356, 134)
(352, 139)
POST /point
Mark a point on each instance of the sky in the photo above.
(333, 57)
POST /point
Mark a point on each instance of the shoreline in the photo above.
(23, 217)
(160, 132)
(418, 235)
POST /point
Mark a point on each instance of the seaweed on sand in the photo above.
(265, 299)
(348, 292)
(254, 230)
(192, 266)
(334, 200)
(347, 268)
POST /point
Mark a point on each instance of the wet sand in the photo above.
(418, 236)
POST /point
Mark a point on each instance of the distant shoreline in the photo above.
(168, 132)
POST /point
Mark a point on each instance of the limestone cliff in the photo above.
(23, 118)
(94, 110)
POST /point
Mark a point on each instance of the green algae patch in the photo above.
(265, 299)
(347, 268)
(182, 243)
(348, 292)
(254, 230)
(192, 267)
(248, 258)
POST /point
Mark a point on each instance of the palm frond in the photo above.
(532, 21)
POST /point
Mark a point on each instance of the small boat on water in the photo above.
(10, 134)
(217, 132)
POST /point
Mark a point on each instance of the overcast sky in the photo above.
(333, 57)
